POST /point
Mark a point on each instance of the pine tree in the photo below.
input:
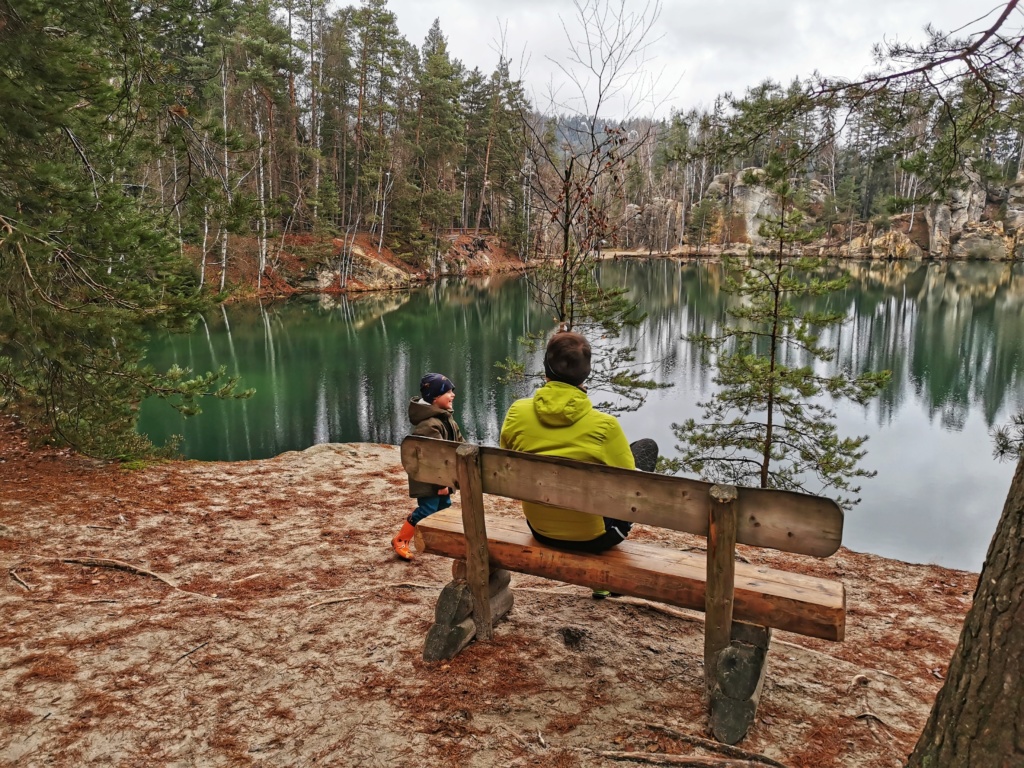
(768, 425)
(380, 53)
(439, 134)
(86, 270)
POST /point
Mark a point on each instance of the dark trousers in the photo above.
(615, 532)
(428, 505)
(645, 455)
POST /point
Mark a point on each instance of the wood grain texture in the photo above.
(793, 602)
(782, 520)
(478, 572)
(721, 575)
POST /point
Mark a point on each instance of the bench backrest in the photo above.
(782, 520)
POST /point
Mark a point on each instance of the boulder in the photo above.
(719, 186)
(817, 193)
(982, 242)
(892, 244)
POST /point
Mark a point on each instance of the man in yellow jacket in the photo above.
(560, 420)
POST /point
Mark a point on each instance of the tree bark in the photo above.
(978, 717)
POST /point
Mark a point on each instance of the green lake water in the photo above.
(329, 370)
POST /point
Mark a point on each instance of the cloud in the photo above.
(703, 49)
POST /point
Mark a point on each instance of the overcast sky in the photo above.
(705, 48)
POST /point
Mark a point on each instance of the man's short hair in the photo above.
(567, 358)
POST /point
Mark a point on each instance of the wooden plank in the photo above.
(782, 520)
(796, 603)
(478, 571)
(721, 576)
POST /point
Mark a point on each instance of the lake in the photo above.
(340, 370)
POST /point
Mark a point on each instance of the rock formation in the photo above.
(947, 216)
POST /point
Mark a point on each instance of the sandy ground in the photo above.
(267, 623)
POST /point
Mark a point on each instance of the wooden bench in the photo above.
(742, 602)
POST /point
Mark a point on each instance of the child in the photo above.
(431, 416)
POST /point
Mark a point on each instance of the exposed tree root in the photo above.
(13, 573)
(663, 759)
(713, 746)
(103, 562)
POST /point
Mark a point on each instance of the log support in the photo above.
(455, 617)
(467, 459)
(738, 677)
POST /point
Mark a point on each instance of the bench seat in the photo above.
(788, 601)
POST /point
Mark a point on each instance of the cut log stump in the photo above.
(454, 626)
(737, 682)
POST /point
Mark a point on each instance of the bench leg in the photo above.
(737, 682)
(453, 626)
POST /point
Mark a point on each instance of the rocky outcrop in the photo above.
(752, 203)
(960, 207)
(983, 242)
(965, 223)
(366, 273)
(1014, 217)
(655, 225)
(373, 270)
(892, 244)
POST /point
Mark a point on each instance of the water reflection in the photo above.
(952, 335)
(342, 370)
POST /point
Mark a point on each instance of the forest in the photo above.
(264, 119)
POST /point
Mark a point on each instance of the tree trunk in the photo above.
(316, 75)
(487, 158)
(293, 118)
(227, 174)
(978, 717)
(261, 264)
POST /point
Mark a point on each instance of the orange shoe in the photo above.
(401, 541)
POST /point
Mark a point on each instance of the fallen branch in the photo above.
(102, 562)
(335, 600)
(186, 655)
(13, 573)
(246, 578)
(526, 745)
(708, 744)
(101, 527)
(652, 758)
(413, 585)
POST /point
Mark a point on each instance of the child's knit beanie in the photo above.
(434, 385)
